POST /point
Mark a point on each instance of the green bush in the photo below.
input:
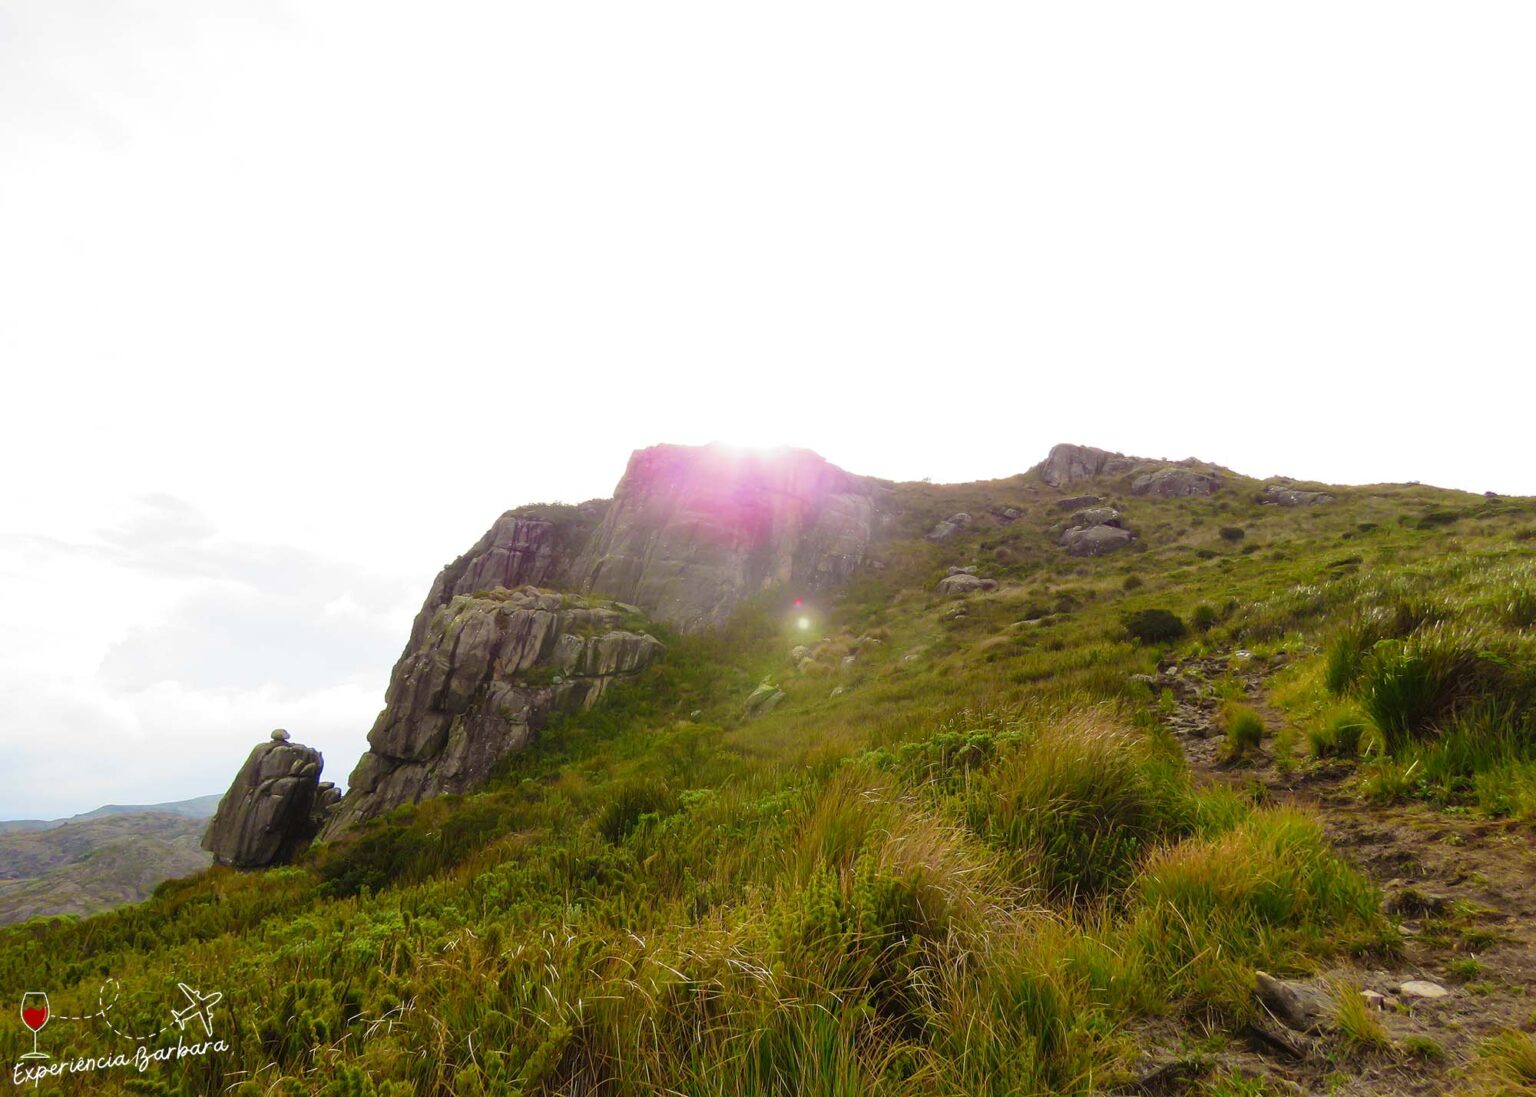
(629, 802)
(1204, 617)
(1233, 533)
(1155, 626)
(1437, 518)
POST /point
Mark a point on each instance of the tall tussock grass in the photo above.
(1406, 686)
(1079, 802)
(1211, 909)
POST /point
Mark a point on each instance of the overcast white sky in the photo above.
(295, 298)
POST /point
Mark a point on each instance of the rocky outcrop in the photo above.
(950, 526)
(1298, 1006)
(692, 530)
(1096, 531)
(1291, 497)
(1174, 482)
(1095, 540)
(762, 700)
(530, 546)
(1067, 464)
(964, 581)
(483, 676)
(689, 533)
(1078, 501)
(1098, 516)
(272, 808)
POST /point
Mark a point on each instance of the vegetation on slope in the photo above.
(95, 862)
(971, 871)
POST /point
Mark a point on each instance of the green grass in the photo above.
(1360, 1030)
(1245, 730)
(1506, 1066)
(976, 870)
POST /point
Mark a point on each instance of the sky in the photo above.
(296, 298)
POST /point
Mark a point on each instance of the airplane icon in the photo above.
(201, 1006)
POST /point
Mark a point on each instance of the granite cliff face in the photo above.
(483, 674)
(529, 546)
(689, 533)
(694, 530)
(496, 650)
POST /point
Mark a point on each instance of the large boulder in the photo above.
(1098, 516)
(762, 700)
(1291, 497)
(1078, 501)
(1175, 482)
(949, 527)
(485, 675)
(271, 809)
(1066, 464)
(963, 582)
(1298, 1006)
(1096, 540)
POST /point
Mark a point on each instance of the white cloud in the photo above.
(147, 660)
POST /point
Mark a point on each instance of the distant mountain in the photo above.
(100, 859)
(199, 807)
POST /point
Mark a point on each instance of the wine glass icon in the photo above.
(34, 1014)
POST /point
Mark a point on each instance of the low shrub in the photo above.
(1233, 533)
(1436, 518)
(629, 803)
(1425, 1048)
(1204, 617)
(1155, 626)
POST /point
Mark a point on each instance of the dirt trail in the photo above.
(1463, 890)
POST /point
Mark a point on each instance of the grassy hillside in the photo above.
(95, 861)
(970, 859)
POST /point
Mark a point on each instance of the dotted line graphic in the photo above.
(103, 1008)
